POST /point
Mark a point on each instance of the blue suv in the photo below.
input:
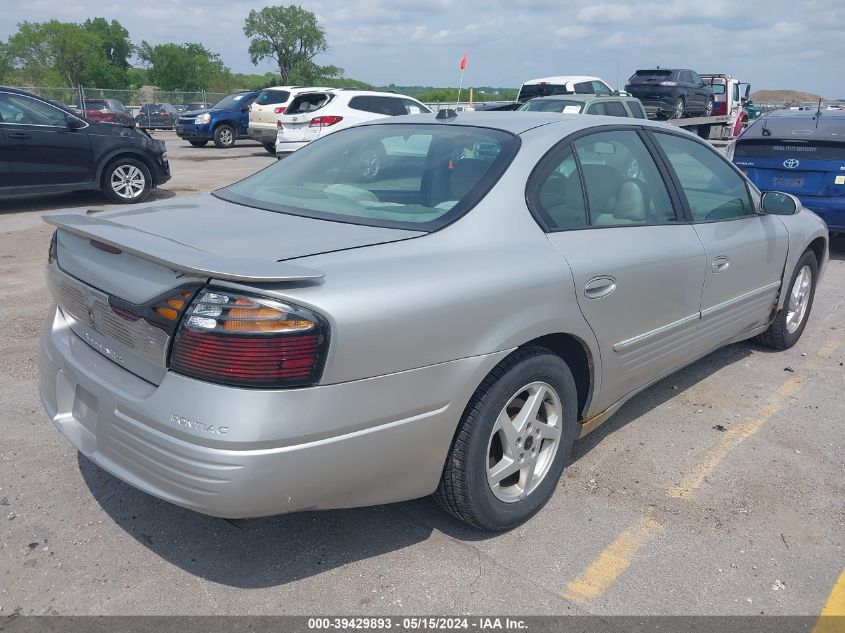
(798, 152)
(224, 122)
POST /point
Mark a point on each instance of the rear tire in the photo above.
(678, 111)
(224, 136)
(127, 181)
(198, 143)
(790, 322)
(507, 456)
(708, 107)
(270, 148)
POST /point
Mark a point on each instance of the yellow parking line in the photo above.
(612, 561)
(692, 481)
(832, 618)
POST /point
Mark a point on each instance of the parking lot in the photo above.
(716, 491)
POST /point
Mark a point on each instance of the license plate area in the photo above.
(790, 182)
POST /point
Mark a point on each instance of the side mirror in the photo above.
(74, 123)
(777, 203)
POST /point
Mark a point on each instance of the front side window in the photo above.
(600, 88)
(25, 111)
(553, 105)
(597, 108)
(637, 110)
(713, 189)
(417, 177)
(622, 182)
(412, 107)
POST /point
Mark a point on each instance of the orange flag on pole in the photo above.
(464, 62)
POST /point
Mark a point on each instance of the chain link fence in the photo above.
(132, 99)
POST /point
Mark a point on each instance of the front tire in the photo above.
(198, 143)
(514, 439)
(790, 322)
(224, 136)
(127, 181)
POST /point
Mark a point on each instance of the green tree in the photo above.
(54, 52)
(291, 37)
(117, 47)
(182, 66)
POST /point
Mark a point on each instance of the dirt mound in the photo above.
(784, 96)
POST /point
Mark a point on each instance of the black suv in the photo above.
(45, 148)
(673, 93)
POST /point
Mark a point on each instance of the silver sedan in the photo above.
(420, 305)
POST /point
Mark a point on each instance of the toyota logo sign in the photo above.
(791, 163)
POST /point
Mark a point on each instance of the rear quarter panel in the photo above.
(489, 282)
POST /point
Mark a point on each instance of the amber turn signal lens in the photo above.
(168, 313)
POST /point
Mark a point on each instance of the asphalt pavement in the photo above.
(719, 490)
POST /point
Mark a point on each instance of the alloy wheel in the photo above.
(799, 299)
(128, 182)
(226, 136)
(524, 442)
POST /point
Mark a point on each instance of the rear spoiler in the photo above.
(178, 256)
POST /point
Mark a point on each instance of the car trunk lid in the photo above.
(296, 120)
(799, 167)
(115, 267)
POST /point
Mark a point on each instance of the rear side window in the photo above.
(637, 109)
(362, 103)
(686, 77)
(713, 189)
(584, 88)
(272, 97)
(622, 182)
(555, 193)
(614, 108)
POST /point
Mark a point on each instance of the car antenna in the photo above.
(447, 113)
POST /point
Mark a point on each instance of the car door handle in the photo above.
(720, 264)
(18, 136)
(599, 287)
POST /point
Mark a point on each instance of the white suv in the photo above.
(265, 111)
(319, 112)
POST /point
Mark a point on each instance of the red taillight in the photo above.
(325, 121)
(248, 341)
(279, 110)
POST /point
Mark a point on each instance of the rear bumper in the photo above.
(288, 147)
(243, 453)
(262, 135)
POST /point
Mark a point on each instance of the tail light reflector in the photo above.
(249, 341)
(325, 121)
(279, 110)
(279, 124)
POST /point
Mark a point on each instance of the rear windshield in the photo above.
(529, 91)
(272, 97)
(96, 104)
(554, 105)
(308, 103)
(825, 127)
(408, 176)
(651, 74)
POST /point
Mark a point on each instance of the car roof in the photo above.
(562, 79)
(55, 104)
(518, 123)
(583, 97)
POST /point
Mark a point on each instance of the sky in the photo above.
(774, 44)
